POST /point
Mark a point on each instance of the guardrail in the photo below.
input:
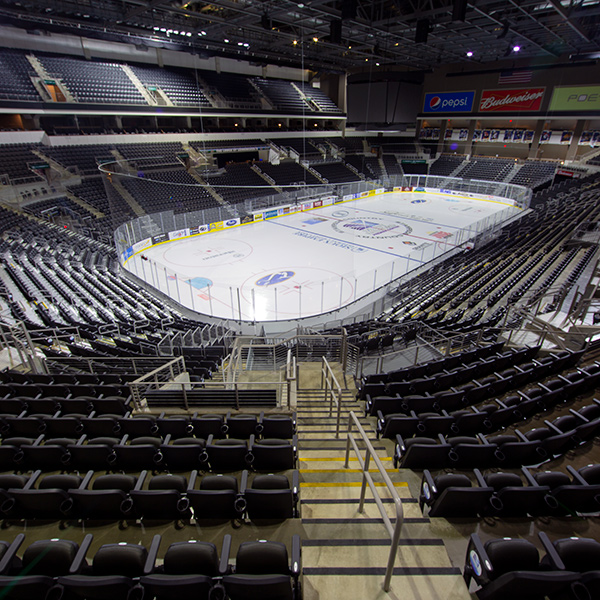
(333, 392)
(392, 529)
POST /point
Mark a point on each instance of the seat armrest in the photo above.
(152, 553)
(38, 441)
(428, 479)
(577, 478)
(31, 481)
(192, 480)
(483, 440)
(79, 559)
(551, 552)
(209, 441)
(86, 480)
(529, 477)
(225, 550)
(296, 567)
(553, 427)
(10, 553)
(484, 564)
(140, 482)
(295, 482)
(521, 436)
(480, 480)
(167, 439)
(244, 481)
(576, 414)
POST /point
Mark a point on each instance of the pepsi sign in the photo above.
(449, 102)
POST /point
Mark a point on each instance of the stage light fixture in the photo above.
(469, 54)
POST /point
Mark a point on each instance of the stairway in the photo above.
(344, 552)
(139, 85)
(133, 203)
(91, 209)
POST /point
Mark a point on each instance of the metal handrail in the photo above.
(290, 374)
(330, 385)
(392, 529)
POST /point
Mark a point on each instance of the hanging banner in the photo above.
(575, 98)
(449, 102)
(511, 100)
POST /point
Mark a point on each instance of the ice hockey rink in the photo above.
(314, 261)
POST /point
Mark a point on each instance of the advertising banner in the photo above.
(529, 99)
(142, 244)
(231, 222)
(158, 238)
(175, 235)
(449, 102)
(576, 98)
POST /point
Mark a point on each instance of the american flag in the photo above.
(510, 77)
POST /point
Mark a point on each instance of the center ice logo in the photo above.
(371, 228)
(275, 278)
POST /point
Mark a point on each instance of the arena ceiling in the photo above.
(332, 35)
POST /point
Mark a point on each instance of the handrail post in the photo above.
(348, 436)
(393, 551)
(363, 487)
(339, 413)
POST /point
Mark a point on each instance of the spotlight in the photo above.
(226, 41)
(516, 48)
(469, 54)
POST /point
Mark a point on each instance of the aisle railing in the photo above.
(393, 529)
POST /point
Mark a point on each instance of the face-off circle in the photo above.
(371, 227)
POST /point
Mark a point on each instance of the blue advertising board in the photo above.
(449, 102)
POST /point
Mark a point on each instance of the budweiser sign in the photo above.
(511, 100)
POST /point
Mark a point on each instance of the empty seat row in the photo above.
(120, 571)
(483, 419)
(94, 424)
(531, 448)
(125, 497)
(146, 452)
(480, 379)
(511, 568)
(502, 494)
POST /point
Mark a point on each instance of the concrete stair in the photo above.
(97, 213)
(345, 552)
(135, 207)
(139, 85)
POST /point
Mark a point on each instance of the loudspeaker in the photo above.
(459, 10)
(266, 23)
(335, 31)
(348, 9)
(422, 31)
